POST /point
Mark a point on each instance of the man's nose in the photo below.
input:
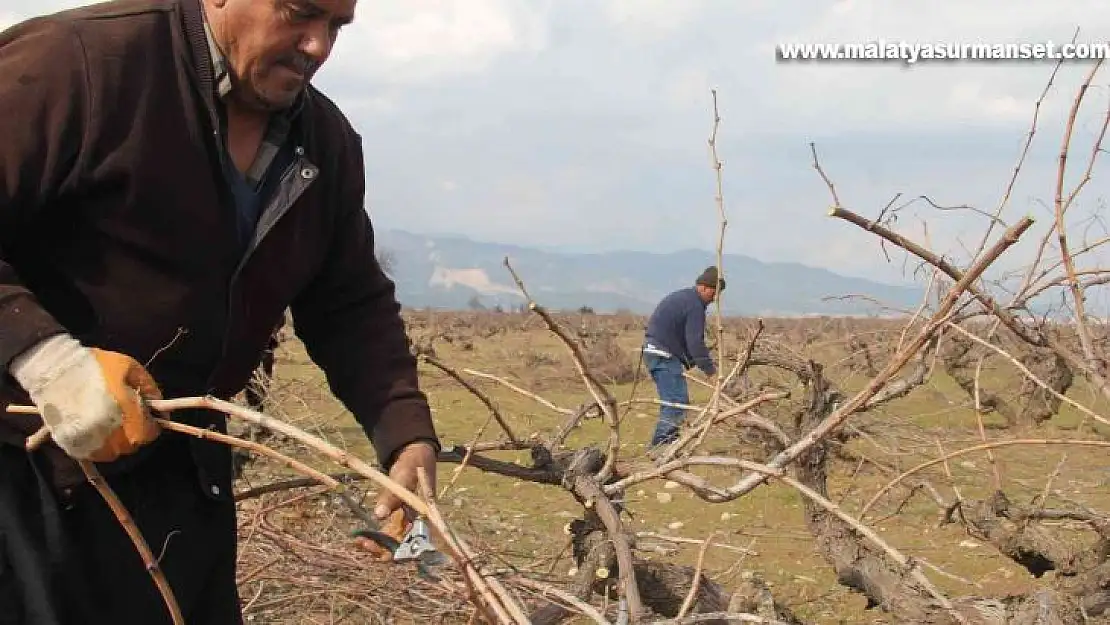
(318, 42)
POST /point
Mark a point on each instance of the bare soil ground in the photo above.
(299, 565)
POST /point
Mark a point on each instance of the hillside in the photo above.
(456, 273)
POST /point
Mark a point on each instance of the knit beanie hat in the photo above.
(709, 278)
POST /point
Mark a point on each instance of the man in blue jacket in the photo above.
(674, 342)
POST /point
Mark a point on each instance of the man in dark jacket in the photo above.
(170, 183)
(674, 342)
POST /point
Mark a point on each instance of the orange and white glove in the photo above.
(89, 398)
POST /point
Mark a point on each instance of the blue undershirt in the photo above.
(251, 200)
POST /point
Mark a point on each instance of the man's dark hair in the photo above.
(709, 278)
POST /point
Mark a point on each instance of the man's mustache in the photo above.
(300, 63)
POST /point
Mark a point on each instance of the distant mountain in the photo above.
(452, 272)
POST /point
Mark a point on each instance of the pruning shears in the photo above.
(415, 545)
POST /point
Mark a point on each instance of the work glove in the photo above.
(89, 398)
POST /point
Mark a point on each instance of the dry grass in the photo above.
(298, 564)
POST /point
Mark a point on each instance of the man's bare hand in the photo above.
(413, 456)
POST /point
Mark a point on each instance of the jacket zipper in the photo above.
(277, 209)
(288, 191)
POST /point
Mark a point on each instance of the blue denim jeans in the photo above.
(671, 387)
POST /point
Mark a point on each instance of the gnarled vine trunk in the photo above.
(1080, 595)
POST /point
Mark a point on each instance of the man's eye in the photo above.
(298, 12)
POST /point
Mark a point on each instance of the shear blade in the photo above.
(432, 558)
(428, 565)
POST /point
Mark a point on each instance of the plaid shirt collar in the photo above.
(219, 65)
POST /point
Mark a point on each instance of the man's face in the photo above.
(274, 47)
(707, 293)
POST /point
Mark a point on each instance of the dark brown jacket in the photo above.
(116, 225)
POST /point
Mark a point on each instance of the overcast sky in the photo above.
(584, 122)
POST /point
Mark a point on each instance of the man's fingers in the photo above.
(419, 455)
(140, 379)
(386, 504)
(151, 429)
(390, 506)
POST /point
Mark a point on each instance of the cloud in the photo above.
(651, 18)
(400, 43)
(582, 124)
